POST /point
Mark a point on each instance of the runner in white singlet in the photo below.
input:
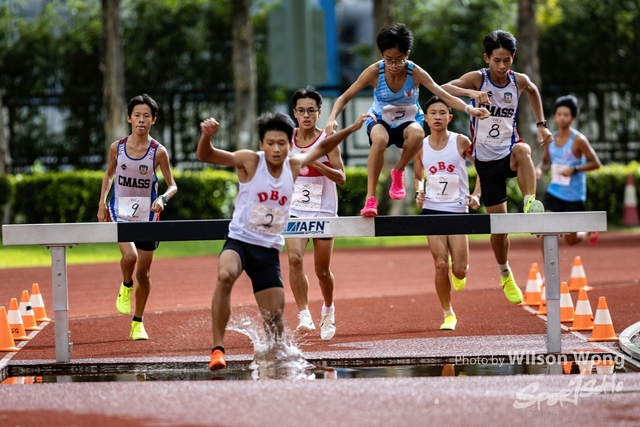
(261, 213)
(315, 196)
(441, 177)
(131, 177)
(500, 154)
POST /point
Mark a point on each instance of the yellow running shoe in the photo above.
(137, 331)
(533, 206)
(458, 284)
(450, 323)
(123, 302)
(511, 289)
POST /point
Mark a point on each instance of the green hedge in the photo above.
(57, 197)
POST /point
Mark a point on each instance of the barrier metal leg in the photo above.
(60, 303)
(552, 292)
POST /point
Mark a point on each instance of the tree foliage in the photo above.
(177, 51)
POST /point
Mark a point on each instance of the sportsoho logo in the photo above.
(308, 226)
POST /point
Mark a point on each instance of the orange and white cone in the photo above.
(543, 301)
(26, 311)
(566, 304)
(6, 338)
(37, 304)
(586, 366)
(604, 366)
(532, 291)
(602, 325)
(583, 315)
(578, 277)
(15, 322)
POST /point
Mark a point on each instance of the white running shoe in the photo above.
(328, 326)
(306, 323)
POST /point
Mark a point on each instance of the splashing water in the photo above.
(273, 357)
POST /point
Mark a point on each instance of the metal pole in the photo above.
(60, 303)
(552, 292)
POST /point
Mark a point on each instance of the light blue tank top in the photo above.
(405, 100)
(576, 190)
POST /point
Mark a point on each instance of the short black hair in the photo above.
(306, 93)
(569, 101)
(435, 100)
(143, 99)
(499, 39)
(397, 35)
(275, 121)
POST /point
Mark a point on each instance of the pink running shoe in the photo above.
(397, 190)
(592, 237)
(370, 207)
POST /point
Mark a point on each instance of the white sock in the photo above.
(505, 270)
(448, 312)
(304, 313)
(326, 310)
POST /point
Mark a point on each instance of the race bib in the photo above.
(394, 115)
(495, 131)
(307, 196)
(268, 220)
(556, 175)
(443, 187)
(134, 209)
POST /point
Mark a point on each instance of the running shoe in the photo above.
(397, 190)
(511, 289)
(137, 331)
(123, 303)
(370, 207)
(328, 325)
(306, 323)
(217, 360)
(450, 323)
(592, 237)
(533, 205)
(458, 284)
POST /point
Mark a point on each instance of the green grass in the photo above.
(38, 256)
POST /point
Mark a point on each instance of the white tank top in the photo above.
(262, 207)
(135, 185)
(315, 195)
(493, 137)
(447, 181)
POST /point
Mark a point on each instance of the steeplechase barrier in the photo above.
(549, 225)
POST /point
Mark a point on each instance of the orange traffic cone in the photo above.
(566, 304)
(578, 278)
(602, 325)
(543, 301)
(6, 338)
(37, 304)
(532, 291)
(27, 313)
(15, 322)
(566, 367)
(630, 216)
(583, 314)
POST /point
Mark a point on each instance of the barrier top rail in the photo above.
(381, 226)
